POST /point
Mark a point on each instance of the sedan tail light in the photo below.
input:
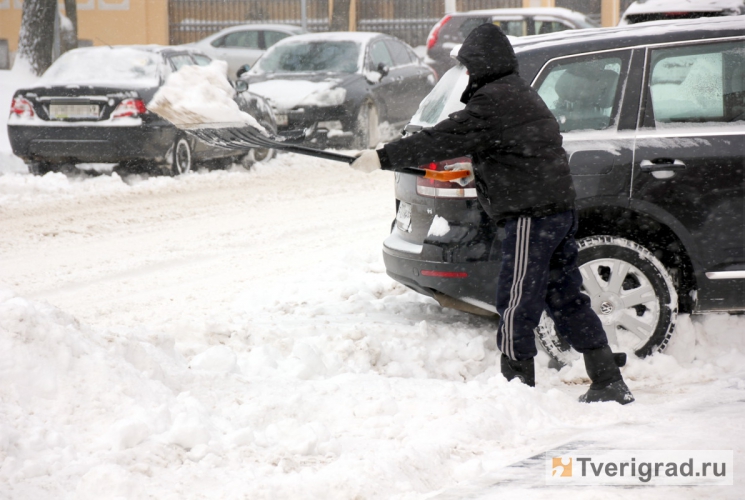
(21, 107)
(440, 189)
(129, 107)
(432, 38)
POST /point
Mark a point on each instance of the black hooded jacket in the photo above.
(513, 139)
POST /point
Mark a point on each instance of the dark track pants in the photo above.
(539, 272)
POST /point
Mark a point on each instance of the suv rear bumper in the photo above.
(476, 286)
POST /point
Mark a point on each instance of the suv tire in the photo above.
(632, 293)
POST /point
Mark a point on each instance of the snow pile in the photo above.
(334, 384)
(200, 95)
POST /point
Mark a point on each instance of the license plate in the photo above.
(281, 120)
(62, 111)
(403, 217)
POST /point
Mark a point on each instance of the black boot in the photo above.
(524, 370)
(607, 382)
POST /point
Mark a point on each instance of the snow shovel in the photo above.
(245, 137)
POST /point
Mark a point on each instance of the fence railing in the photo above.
(409, 20)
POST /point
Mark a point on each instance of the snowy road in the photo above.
(167, 250)
(233, 335)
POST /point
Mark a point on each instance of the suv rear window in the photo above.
(443, 99)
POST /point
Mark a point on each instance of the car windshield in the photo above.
(105, 65)
(332, 56)
(443, 99)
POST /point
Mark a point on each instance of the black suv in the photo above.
(653, 119)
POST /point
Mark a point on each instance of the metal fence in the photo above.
(410, 20)
(192, 20)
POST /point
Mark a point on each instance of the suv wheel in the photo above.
(631, 292)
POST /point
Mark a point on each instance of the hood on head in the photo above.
(487, 54)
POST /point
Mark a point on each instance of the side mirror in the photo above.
(382, 69)
(241, 85)
(242, 69)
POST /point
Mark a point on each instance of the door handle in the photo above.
(659, 164)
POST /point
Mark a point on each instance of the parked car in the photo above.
(653, 121)
(341, 86)
(244, 44)
(453, 29)
(90, 107)
(661, 10)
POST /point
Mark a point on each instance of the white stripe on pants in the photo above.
(522, 247)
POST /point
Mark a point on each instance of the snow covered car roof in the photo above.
(350, 36)
(241, 27)
(653, 6)
(625, 36)
(653, 10)
(138, 65)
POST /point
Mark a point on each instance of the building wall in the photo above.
(103, 22)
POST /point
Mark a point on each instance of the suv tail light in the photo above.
(432, 38)
(21, 107)
(440, 189)
(129, 107)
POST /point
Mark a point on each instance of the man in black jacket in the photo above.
(522, 181)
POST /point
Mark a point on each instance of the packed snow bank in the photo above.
(318, 388)
(200, 95)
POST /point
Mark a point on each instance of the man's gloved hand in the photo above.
(367, 161)
(462, 166)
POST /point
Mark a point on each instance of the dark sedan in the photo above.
(342, 87)
(90, 107)
(653, 121)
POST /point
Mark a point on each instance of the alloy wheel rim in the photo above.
(624, 299)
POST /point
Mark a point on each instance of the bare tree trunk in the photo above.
(71, 11)
(36, 41)
(340, 16)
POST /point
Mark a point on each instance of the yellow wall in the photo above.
(112, 22)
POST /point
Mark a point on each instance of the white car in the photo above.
(244, 44)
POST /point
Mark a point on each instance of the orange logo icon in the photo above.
(561, 467)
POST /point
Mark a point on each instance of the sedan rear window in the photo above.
(104, 65)
(336, 56)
